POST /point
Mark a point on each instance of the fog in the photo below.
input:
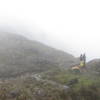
(69, 25)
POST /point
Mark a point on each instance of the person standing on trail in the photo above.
(81, 61)
(81, 57)
(84, 59)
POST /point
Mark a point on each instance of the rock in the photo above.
(73, 81)
(14, 94)
(39, 92)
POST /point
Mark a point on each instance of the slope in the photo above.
(19, 55)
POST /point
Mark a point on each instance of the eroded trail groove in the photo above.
(39, 78)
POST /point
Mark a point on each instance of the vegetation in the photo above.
(19, 55)
(27, 88)
(86, 88)
(21, 59)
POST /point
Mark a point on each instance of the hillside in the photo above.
(55, 84)
(19, 55)
(43, 73)
(94, 66)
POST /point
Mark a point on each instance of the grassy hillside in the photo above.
(43, 73)
(94, 66)
(86, 87)
(83, 86)
(19, 55)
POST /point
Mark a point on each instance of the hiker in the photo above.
(81, 57)
(81, 61)
(84, 59)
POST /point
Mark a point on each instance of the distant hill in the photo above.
(94, 65)
(19, 55)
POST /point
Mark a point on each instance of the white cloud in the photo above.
(71, 25)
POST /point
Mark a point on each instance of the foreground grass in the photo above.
(86, 88)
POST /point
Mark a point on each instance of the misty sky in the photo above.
(69, 25)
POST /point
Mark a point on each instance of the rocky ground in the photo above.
(52, 85)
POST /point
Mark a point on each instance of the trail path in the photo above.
(39, 78)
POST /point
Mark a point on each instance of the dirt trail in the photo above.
(39, 78)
